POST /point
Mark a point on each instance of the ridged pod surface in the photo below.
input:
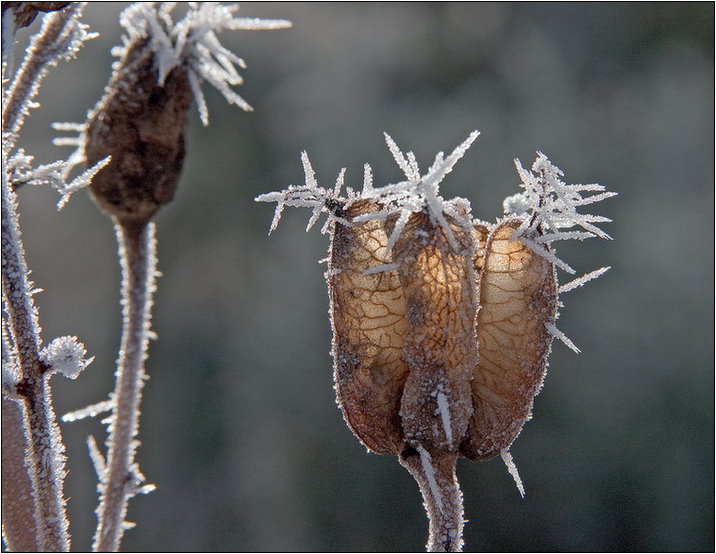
(517, 298)
(439, 287)
(369, 330)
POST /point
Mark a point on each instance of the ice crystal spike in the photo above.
(550, 205)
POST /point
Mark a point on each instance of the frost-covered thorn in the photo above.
(65, 355)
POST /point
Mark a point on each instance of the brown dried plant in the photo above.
(442, 324)
(136, 135)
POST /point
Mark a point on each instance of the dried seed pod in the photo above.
(439, 286)
(141, 125)
(518, 297)
(369, 329)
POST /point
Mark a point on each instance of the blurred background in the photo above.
(240, 431)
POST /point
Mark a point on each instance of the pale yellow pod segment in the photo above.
(369, 329)
(518, 296)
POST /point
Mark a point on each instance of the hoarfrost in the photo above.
(66, 355)
(193, 41)
(556, 333)
(512, 468)
(427, 463)
(581, 281)
(552, 206)
(401, 199)
(89, 411)
(444, 410)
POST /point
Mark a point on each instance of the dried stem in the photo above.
(442, 497)
(45, 453)
(138, 261)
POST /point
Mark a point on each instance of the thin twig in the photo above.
(138, 260)
(45, 454)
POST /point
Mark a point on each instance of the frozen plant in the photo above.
(133, 146)
(442, 323)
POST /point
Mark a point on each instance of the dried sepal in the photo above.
(369, 329)
(517, 298)
(140, 124)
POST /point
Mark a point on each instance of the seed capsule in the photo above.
(141, 125)
(517, 298)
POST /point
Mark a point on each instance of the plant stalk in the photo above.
(138, 262)
(435, 474)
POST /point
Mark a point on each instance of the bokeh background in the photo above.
(240, 430)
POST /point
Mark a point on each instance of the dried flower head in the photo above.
(140, 121)
(442, 324)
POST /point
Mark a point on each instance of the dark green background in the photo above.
(240, 431)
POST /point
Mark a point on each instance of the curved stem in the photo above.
(137, 254)
(435, 474)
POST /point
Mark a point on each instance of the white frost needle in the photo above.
(512, 468)
(550, 205)
(193, 41)
(400, 199)
(581, 281)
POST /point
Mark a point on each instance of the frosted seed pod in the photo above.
(141, 125)
(518, 298)
(439, 287)
(369, 329)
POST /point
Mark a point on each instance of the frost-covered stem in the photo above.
(45, 49)
(18, 512)
(442, 496)
(138, 261)
(45, 452)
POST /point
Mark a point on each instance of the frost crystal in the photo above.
(415, 194)
(552, 206)
(193, 41)
(312, 196)
(512, 468)
(65, 355)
